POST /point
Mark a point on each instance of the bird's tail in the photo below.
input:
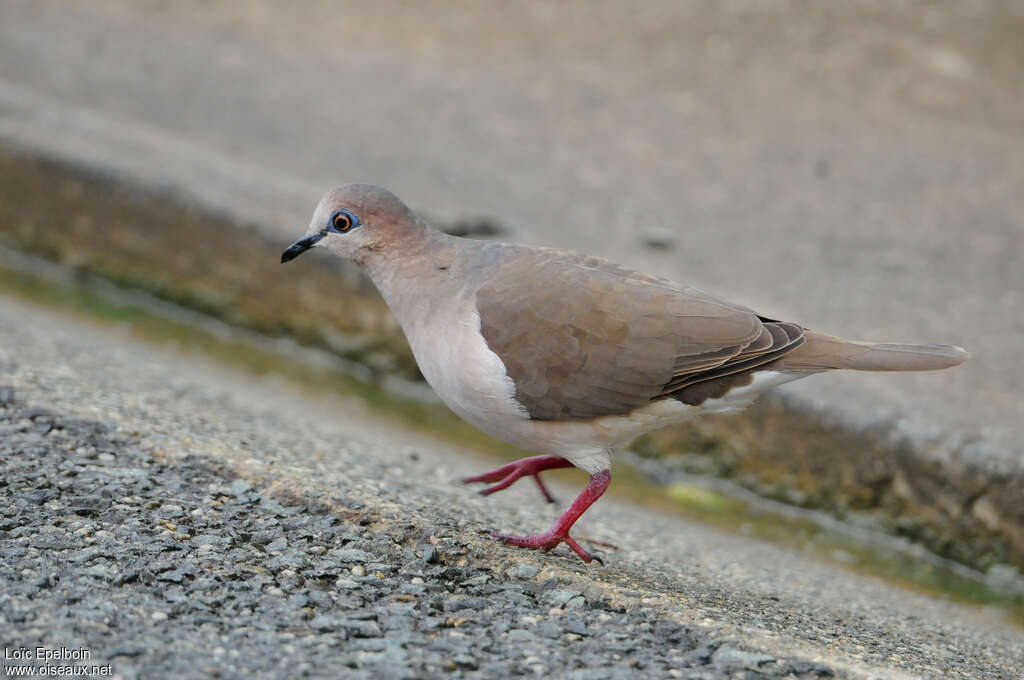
(823, 352)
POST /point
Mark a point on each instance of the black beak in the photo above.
(300, 246)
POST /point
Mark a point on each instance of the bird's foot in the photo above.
(559, 533)
(547, 541)
(507, 475)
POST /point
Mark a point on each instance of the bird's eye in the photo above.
(341, 221)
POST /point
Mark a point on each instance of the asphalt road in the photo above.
(856, 168)
(174, 518)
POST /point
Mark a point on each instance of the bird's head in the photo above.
(356, 220)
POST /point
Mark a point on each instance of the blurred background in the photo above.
(854, 167)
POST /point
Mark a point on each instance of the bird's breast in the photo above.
(455, 359)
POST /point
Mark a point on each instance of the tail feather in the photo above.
(822, 352)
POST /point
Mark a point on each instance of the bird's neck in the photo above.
(413, 267)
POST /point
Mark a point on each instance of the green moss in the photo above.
(795, 457)
(732, 514)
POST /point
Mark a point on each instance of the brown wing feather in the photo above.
(583, 337)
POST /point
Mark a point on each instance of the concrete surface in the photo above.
(177, 431)
(854, 168)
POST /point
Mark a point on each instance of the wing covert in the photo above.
(582, 337)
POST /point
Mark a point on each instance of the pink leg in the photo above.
(506, 475)
(559, 533)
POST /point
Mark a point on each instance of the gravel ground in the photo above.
(178, 568)
(178, 520)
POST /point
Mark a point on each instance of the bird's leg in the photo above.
(559, 533)
(506, 475)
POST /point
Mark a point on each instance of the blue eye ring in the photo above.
(342, 221)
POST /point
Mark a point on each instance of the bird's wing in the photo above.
(583, 337)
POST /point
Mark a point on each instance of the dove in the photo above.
(570, 355)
